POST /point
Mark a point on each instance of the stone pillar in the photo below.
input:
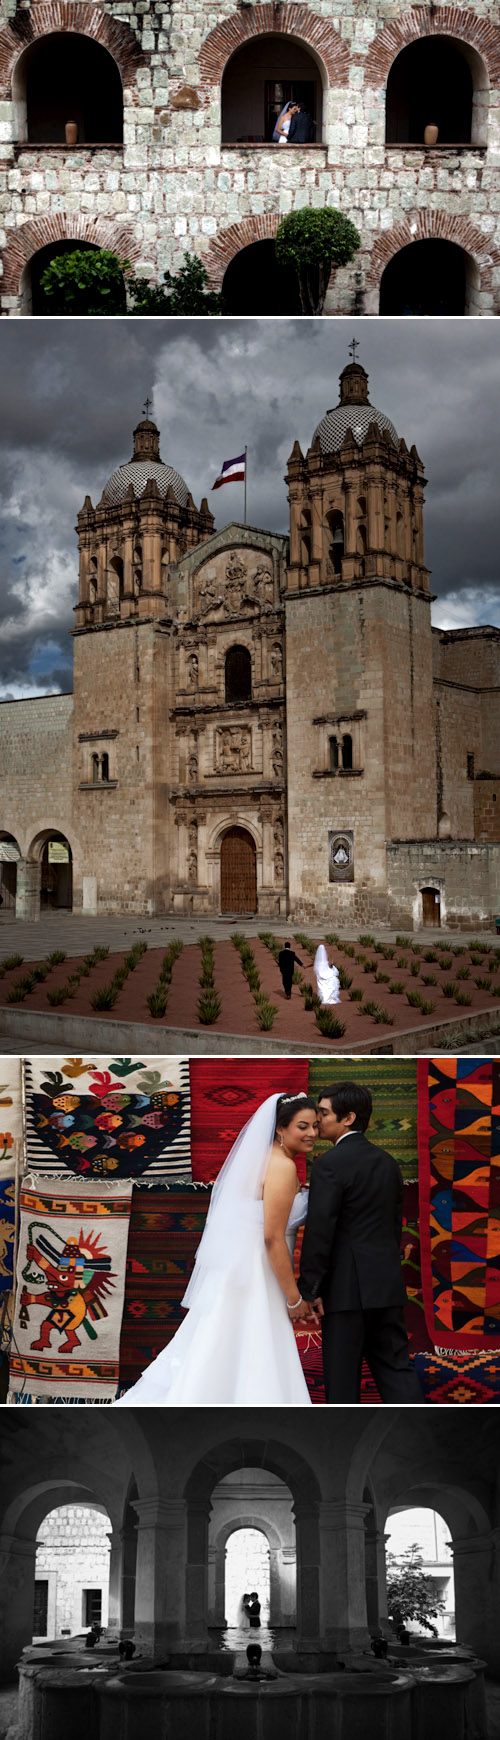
(216, 1560)
(197, 1575)
(476, 1563)
(115, 1579)
(375, 510)
(29, 882)
(159, 1594)
(287, 1571)
(308, 1576)
(375, 1577)
(343, 1588)
(17, 1594)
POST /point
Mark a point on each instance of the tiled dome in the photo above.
(335, 423)
(138, 472)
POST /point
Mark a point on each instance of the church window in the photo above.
(470, 766)
(333, 754)
(347, 750)
(238, 675)
(137, 752)
(105, 768)
(336, 530)
(66, 77)
(95, 769)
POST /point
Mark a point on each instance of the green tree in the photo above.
(410, 1594)
(88, 281)
(309, 242)
(185, 294)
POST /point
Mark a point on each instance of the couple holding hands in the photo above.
(237, 1342)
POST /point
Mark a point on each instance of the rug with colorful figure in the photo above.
(120, 1118)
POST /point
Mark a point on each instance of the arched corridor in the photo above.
(65, 78)
(255, 283)
(71, 1571)
(260, 78)
(9, 859)
(427, 278)
(437, 81)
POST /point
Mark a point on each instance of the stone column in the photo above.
(287, 1571)
(375, 510)
(476, 1563)
(343, 1588)
(308, 1576)
(29, 882)
(197, 1575)
(159, 1593)
(17, 1594)
(115, 1579)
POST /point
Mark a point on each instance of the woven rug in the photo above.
(11, 1112)
(70, 1287)
(459, 1130)
(393, 1083)
(7, 1216)
(124, 1118)
(225, 1092)
(459, 1378)
(165, 1231)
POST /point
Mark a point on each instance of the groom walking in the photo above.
(350, 1265)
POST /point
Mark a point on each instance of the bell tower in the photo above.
(358, 657)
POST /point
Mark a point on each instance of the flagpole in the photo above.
(245, 506)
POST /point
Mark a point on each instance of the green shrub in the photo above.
(414, 969)
(266, 1013)
(334, 940)
(355, 996)
(427, 1006)
(396, 987)
(382, 978)
(57, 957)
(445, 963)
(429, 979)
(477, 960)
(403, 942)
(459, 949)
(345, 980)
(449, 988)
(10, 961)
(60, 995)
(106, 997)
(87, 281)
(347, 949)
(414, 999)
(367, 941)
(430, 955)
(329, 1024)
(463, 973)
(402, 962)
(20, 989)
(483, 984)
(463, 998)
(98, 954)
(185, 294)
(379, 1014)
(209, 1007)
(157, 1002)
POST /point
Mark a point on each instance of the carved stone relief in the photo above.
(233, 749)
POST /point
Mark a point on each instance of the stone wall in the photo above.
(173, 186)
(465, 873)
(72, 1556)
(36, 768)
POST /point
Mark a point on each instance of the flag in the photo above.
(233, 471)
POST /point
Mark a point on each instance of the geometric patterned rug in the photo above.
(459, 1378)
(393, 1084)
(459, 1176)
(165, 1230)
(225, 1093)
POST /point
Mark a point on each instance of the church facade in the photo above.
(147, 130)
(262, 724)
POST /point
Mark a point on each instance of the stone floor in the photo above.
(77, 934)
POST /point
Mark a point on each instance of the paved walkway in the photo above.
(77, 934)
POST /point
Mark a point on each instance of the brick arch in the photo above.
(39, 232)
(439, 21)
(79, 16)
(274, 20)
(434, 226)
(230, 242)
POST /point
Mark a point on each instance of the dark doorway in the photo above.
(92, 1606)
(41, 1607)
(430, 82)
(71, 78)
(57, 876)
(238, 675)
(431, 906)
(255, 284)
(425, 278)
(238, 866)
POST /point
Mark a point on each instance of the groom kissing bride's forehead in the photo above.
(351, 1265)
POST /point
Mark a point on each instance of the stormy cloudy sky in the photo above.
(72, 391)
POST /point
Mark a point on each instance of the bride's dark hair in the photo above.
(288, 1106)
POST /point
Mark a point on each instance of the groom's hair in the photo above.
(289, 1105)
(349, 1096)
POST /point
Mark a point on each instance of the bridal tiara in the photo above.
(290, 1097)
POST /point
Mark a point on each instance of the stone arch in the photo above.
(481, 254)
(238, 820)
(54, 884)
(464, 26)
(297, 1474)
(230, 242)
(268, 20)
(10, 857)
(52, 227)
(80, 16)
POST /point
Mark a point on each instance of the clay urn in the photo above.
(71, 132)
(431, 134)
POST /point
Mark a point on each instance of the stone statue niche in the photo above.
(234, 749)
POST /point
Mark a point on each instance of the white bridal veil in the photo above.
(227, 1245)
(327, 978)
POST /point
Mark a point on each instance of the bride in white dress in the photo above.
(237, 1342)
(327, 978)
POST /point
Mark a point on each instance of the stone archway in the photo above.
(48, 873)
(10, 855)
(46, 17)
(269, 20)
(255, 283)
(238, 871)
(428, 277)
(300, 1480)
(420, 226)
(229, 242)
(41, 232)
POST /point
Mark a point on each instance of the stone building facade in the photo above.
(174, 108)
(71, 1571)
(263, 724)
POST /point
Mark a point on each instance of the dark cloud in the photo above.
(71, 392)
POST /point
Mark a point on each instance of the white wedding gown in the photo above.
(236, 1343)
(327, 978)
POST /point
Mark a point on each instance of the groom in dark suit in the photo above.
(350, 1265)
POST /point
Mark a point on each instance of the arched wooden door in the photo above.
(238, 872)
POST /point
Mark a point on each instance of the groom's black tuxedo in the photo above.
(350, 1259)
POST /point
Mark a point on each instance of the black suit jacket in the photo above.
(350, 1252)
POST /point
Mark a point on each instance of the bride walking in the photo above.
(327, 978)
(237, 1342)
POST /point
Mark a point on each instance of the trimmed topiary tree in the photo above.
(309, 242)
(88, 281)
